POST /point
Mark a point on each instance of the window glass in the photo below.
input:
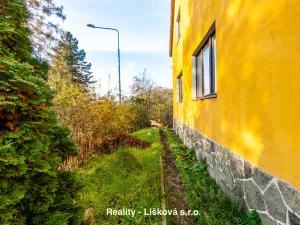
(194, 77)
(206, 70)
(204, 75)
(215, 63)
(199, 74)
(179, 88)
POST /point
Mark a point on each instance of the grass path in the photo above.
(175, 193)
(127, 178)
(130, 178)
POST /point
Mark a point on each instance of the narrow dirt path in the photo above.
(173, 185)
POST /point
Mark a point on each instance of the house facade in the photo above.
(236, 82)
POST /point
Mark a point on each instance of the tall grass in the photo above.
(126, 178)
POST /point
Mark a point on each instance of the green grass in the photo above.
(130, 178)
(150, 135)
(127, 178)
(202, 192)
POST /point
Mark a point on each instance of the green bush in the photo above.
(32, 143)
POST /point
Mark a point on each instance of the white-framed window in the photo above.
(179, 88)
(204, 68)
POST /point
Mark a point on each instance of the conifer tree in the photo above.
(32, 143)
(68, 51)
(43, 32)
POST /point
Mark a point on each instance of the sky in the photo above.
(144, 39)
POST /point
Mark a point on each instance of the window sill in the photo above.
(207, 97)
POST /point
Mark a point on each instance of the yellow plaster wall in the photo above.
(257, 110)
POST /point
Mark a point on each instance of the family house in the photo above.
(236, 79)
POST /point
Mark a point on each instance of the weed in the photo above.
(250, 218)
(202, 191)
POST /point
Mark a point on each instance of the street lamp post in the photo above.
(119, 63)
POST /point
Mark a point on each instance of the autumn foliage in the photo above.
(109, 144)
(90, 119)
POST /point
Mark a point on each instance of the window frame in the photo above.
(179, 88)
(209, 40)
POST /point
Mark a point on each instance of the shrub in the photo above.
(32, 143)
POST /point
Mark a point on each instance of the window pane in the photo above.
(179, 82)
(199, 75)
(179, 88)
(214, 63)
(194, 77)
(206, 70)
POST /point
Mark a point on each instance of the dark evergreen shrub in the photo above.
(32, 143)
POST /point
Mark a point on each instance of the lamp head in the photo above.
(91, 25)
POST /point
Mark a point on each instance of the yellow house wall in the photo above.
(257, 110)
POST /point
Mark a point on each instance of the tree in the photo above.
(92, 121)
(141, 98)
(142, 85)
(32, 143)
(43, 32)
(150, 102)
(68, 51)
(162, 105)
